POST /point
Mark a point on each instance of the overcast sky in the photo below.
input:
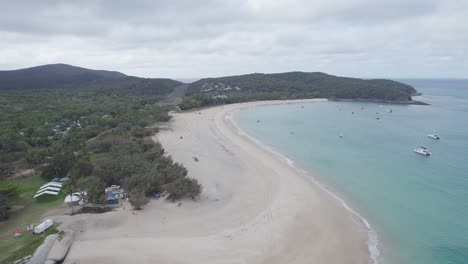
(202, 38)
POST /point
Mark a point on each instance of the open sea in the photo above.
(417, 205)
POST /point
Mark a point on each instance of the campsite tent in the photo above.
(75, 197)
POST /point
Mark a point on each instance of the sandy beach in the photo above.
(255, 207)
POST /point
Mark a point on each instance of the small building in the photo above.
(51, 188)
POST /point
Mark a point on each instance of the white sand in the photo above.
(255, 208)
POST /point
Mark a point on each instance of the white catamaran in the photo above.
(423, 151)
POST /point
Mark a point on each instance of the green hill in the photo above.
(295, 85)
(52, 76)
(68, 77)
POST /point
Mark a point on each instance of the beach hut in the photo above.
(51, 188)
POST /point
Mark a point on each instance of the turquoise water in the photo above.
(418, 205)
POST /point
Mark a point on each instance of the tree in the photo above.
(83, 167)
(185, 187)
(137, 198)
(10, 190)
(70, 188)
(4, 207)
(36, 156)
(58, 167)
(94, 189)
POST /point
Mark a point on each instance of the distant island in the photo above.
(294, 85)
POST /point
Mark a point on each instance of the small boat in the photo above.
(433, 136)
(423, 151)
(389, 110)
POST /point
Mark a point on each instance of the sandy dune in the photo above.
(255, 208)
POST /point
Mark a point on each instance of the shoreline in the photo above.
(255, 207)
(372, 242)
(412, 102)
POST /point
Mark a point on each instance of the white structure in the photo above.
(76, 197)
(43, 226)
(52, 188)
(423, 151)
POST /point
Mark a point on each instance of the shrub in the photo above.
(184, 187)
(94, 188)
(10, 190)
(4, 207)
(137, 198)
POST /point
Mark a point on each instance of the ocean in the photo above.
(363, 153)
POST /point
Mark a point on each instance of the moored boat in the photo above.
(423, 151)
(433, 136)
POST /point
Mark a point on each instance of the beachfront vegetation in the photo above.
(137, 198)
(184, 187)
(291, 85)
(63, 121)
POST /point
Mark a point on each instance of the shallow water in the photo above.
(417, 204)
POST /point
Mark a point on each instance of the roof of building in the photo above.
(52, 188)
(74, 197)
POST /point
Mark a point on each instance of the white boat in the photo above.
(433, 136)
(423, 151)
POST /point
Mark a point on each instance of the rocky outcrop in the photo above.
(53, 250)
(60, 248)
(24, 260)
(40, 255)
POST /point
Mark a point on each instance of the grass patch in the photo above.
(29, 187)
(11, 247)
(29, 243)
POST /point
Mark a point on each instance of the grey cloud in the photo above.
(220, 37)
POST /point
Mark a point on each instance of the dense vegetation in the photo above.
(73, 125)
(292, 85)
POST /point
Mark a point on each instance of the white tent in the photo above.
(75, 197)
(52, 188)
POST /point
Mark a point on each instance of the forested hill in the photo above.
(294, 85)
(67, 77)
(92, 127)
